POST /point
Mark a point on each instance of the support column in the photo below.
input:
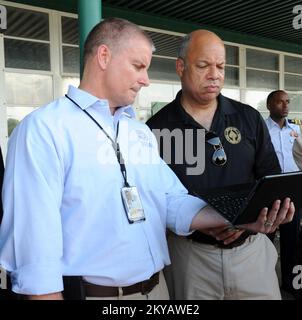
(90, 13)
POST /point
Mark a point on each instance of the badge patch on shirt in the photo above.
(232, 135)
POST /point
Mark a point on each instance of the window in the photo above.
(262, 79)
(151, 99)
(262, 60)
(24, 93)
(293, 73)
(28, 82)
(257, 99)
(262, 69)
(163, 69)
(232, 66)
(70, 45)
(231, 93)
(21, 54)
(231, 76)
(295, 105)
(27, 89)
(293, 82)
(66, 81)
(293, 64)
(232, 55)
(26, 43)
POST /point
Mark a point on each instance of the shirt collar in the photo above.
(271, 123)
(86, 100)
(225, 105)
(177, 113)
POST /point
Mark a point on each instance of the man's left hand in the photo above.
(269, 221)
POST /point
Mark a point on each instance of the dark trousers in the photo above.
(290, 244)
(7, 294)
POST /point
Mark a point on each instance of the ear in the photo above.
(180, 66)
(103, 56)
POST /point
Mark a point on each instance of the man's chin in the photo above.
(128, 102)
(211, 95)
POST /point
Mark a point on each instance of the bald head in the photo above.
(200, 37)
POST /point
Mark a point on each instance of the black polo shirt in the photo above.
(250, 155)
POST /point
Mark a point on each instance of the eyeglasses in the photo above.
(219, 157)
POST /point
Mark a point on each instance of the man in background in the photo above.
(283, 135)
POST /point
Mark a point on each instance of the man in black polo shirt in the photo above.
(202, 267)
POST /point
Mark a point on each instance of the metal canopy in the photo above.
(267, 24)
(271, 19)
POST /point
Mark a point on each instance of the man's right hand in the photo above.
(227, 234)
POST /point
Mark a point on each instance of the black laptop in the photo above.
(242, 203)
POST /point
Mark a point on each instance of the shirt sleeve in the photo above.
(31, 232)
(266, 161)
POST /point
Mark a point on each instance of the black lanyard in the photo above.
(115, 144)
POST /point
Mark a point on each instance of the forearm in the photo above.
(206, 218)
(51, 296)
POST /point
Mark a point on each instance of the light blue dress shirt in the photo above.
(283, 140)
(63, 213)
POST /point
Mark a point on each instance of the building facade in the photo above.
(39, 58)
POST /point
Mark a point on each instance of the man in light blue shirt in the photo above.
(283, 134)
(86, 193)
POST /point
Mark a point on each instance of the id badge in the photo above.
(132, 204)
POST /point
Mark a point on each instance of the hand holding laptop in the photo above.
(268, 221)
(211, 222)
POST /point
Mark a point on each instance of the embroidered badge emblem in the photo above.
(232, 135)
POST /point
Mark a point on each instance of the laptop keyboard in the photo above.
(229, 206)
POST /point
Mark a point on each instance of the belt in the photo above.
(143, 287)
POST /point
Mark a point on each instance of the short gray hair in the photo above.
(183, 48)
(113, 32)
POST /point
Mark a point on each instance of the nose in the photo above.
(144, 80)
(285, 104)
(213, 72)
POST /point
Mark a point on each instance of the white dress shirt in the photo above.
(63, 213)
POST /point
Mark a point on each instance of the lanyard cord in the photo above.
(115, 144)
